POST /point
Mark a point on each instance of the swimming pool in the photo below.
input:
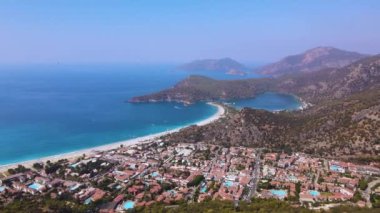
(35, 186)
(75, 165)
(88, 201)
(204, 189)
(314, 193)
(336, 168)
(228, 183)
(128, 205)
(279, 193)
(154, 174)
(2, 188)
(75, 187)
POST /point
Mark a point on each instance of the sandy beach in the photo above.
(73, 155)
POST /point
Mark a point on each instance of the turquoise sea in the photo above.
(53, 109)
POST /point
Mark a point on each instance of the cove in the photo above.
(270, 101)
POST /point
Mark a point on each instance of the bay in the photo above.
(53, 109)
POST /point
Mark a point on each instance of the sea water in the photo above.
(53, 109)
(270, 101)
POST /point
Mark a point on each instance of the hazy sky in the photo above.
(93, 31)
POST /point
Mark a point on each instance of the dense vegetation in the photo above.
(196, 88)
(225, 206)
(375, 200)
(45, 205)
(258, 205)
(196, 181)
(18, 169)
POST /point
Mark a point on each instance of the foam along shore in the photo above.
(73, 155)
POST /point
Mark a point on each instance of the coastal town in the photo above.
(169, 172)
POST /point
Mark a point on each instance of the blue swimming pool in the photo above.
(88, 201)
(336, 168)
(35, 186)
(154, 174)
(314, 193)
(75, 165)
(128, 205)
(228, 183)
(279, 193)
(204, 189)
(75, 187)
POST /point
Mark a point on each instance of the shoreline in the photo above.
(304, 105)
(72, 155)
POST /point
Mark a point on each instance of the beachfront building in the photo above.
(165, 172)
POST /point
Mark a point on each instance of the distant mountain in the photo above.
(312, 60)
(331, 84)
(314, 87)
(226, 65)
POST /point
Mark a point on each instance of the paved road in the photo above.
(316, 178)
(255, 178)
(367, 193)
(326, 164)
(326, 206)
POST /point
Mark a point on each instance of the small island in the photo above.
(223, 65)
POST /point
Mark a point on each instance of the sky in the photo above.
(166, 31)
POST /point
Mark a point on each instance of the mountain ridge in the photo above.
(312, 60)
(342, 123)
(345, 128)
(314, 86)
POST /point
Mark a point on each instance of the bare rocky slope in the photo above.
(312, 60)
